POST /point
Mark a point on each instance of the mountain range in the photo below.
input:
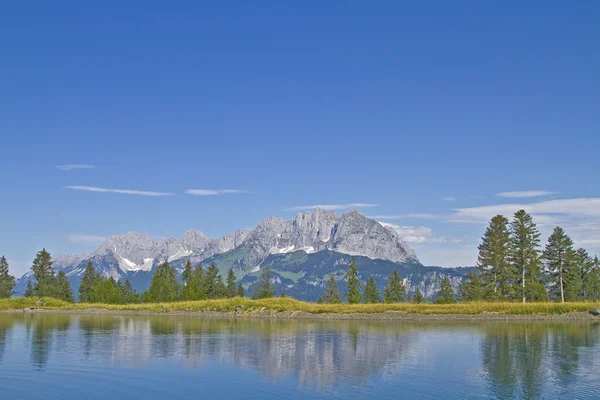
(301, 254)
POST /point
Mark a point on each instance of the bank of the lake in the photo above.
(290, 308)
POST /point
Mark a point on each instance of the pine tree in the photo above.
(586, 267)
(90, 278)
(332, 292)
(593, 281)
(199, 282)
(231, 288)
(128, 294)
(63, 288)
(7, 281)
(417, 297)
(265, 288)
(394, 291)
(29, 290)
(371, 293)
(558, 252)
(524, 253)
(471, 289)
(492, 262)
(213, 282)
(192, 282)
(446, 293)
(240, 291)
(354, 286)
(106, 291)
(578, 264)
(163, 286)
(44, 275)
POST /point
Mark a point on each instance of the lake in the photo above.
(65, 356)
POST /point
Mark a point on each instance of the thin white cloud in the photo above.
(77, 238)
(333, 206)
(70, 167)
(525, 194)
(120, 191)
(213, 192)
(586, 207)
(449, 198)
(418, 234)
(406, 216)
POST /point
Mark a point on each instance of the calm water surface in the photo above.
(62, 356)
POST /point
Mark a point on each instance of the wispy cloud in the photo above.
(418, 234)
(333, 206)
(525, 194)
(213, 192)
(407, 216)
(77, 238)
(120, 191)
(449, 198)
(70, 167)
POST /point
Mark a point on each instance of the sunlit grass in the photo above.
(291, 305)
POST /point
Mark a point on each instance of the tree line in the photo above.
(512, 266)
(394, 291)
(198, 284)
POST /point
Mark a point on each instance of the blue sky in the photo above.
(424, 111)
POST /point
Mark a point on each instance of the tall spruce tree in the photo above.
(578, 264)
(354, 286)
(90, 278)
(192, 282)
(332, 292)
(557, 254)
(524, 254)
(585, 269)
(213, 283)
(394, 291)
(231, 288)
(107, 291)
(371, 295)
(7, 281)
(264, 288)
(417, 296)
(446, 293)
(471, 289)
(43, 272)
(163, 285)
(240, 291)
(494, 269)
(63, 289)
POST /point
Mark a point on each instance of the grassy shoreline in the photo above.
(289, 308)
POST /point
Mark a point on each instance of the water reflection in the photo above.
(517, 359)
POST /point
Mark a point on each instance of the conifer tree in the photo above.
(557, 254)
(585, 268)
(593, 281)
(495, 272)
(240, 291)
(90, 278)
(332, 292)
(128, 294)
(265, 288)
(44, 275)
(199, 281)
(231, 288)
(417, 297)
(283, 295)
(214, 286)
(63, 288)
(7, 281)
(354, 286)
(524, 253)
(371, 294)
(163, 286)
(446, 293)
(394, 291)
(471, 289)
(106, 291)
(193, 282)
(29, 290)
